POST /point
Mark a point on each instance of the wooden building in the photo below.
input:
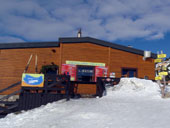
(84, 52)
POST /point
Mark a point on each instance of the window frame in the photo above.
(128, 68)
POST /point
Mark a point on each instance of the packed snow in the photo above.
(133, 103)
(138, 87)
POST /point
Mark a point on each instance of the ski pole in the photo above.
(36, 61)
(26, 68)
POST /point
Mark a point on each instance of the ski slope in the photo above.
(133, 103)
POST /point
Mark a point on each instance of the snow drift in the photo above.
(136, 86)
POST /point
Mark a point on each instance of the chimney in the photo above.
(79, 33)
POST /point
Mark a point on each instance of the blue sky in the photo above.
(144, 24)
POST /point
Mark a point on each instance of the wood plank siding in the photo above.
(121, 59)
(13, 61)
(85, 52)
(113, 58)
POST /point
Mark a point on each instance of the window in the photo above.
(85, 73)
(129, 72)
(49, 69)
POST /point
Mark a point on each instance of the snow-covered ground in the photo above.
(134, 103)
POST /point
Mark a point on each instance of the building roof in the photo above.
(28, 45)
(104, 43)
(72, 40)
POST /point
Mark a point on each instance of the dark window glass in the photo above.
(132, 73)
(49, 69)
(124, 72)
(128, 72)
(85, 73)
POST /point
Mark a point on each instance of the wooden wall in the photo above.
(84, 52)
(13, 61)
(121, 59)
(113, 58)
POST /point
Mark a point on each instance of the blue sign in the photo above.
(36, 80)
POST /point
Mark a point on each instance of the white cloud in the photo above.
(156, 36)
(5, 39)
(110, 19)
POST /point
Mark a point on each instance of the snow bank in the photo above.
(112, 110)
(136, 86)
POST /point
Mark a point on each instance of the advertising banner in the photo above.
(32, 80)
(69, 69)
(85, 63)
(112, 75)
(100, 71)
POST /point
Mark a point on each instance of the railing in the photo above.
(8, 88)
(8, 106)
(56, 87)
(11, 86)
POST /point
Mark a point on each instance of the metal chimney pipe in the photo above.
(79, 33)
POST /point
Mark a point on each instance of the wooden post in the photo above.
(163, 88)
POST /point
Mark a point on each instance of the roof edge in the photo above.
(103, 43)
(29, 45)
